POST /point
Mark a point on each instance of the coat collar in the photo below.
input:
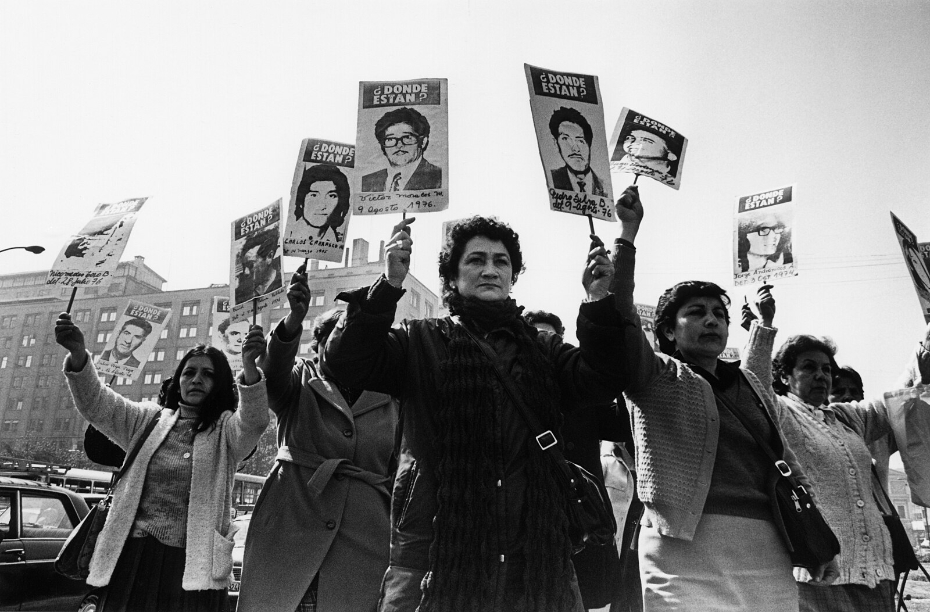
(367, 401)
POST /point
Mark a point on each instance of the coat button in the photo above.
(330, 524)
(347, 433)
(866, 538)
(852, 471)
(860, 503)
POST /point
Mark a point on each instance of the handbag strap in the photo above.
(546, 439)
(130, 457)
(779, 462)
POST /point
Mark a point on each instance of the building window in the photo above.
(63, 424)
(24, 361)
(107, 315)
(189, 309)
(7, 343)
(188, 332)
(10, 426)
(16, 403)
(29, 320)
(47, 359)
(81, 316)
(414, 299)
(8, 322)
(180, 354)
(17, 382)
(104, 337)
(157, 355)
(3, 363)
(429, 310)
(29, 340)
(317, 298)
(36, 425)
(42, 382)
(40, 403)
(122, 382)
(164, 333)
(152, 378)
(305, 348)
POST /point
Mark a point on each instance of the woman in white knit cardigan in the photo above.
(167, 543)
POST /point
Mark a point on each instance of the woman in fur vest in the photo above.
(167, 542)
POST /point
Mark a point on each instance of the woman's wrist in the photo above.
(78, 360)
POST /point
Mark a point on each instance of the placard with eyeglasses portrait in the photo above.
(320, 204)
(763, 229)
(402, 147)
(569, 121)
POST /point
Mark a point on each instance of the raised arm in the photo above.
(108, 411)
(281, 370)
(363, 350)
(247, 424)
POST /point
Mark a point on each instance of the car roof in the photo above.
(19, 483)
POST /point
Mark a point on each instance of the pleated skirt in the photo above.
(734, 564)
(147, 578)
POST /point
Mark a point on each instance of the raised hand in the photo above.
(397, 253)
(253, 351)
(70, 336)
(598, 271)
(765, 303)
(630, 212)
(748, 316)
(298, 297)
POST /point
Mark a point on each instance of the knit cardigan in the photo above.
(838, 462)
(217, 451)
(675, 420)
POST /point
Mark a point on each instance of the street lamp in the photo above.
(32, 249)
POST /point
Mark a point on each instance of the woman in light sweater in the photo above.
(167, 543)
(709, 539)
(830, 441)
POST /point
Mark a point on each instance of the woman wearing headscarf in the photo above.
(478, 518)
(710, 537)
(167, 542)
(320, 534)
(830, 441)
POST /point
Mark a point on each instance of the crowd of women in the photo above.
(408, 478)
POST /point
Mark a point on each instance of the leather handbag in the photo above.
(809, 539)
(73, 560)
(901, 550)
(587, 506)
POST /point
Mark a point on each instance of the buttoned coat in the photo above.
(325, 508)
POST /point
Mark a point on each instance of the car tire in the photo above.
(91, 603)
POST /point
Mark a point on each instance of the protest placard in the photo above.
(320, 205)
(762, 233)
(90, 257)
(647, 319)
(641, 145)
(909, 415)
(402, 154)
(128, 347)
(226, 335)
(255, 263)
(916, 264)
(569, 121)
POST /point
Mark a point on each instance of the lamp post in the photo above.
(32, 249)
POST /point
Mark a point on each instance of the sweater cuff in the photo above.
(381, 297)
(623, 242)
(240, 379)
(601, 312)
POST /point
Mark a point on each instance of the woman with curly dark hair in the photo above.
(478, 519)
(167, 543)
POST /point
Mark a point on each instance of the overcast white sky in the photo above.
(202, 107)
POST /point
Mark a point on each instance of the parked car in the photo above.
(242, 524)
(35, 520)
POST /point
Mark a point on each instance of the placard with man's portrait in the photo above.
(320, 205)
(643, 146)
(90, 257)
(255, 278)
(402, 147)
(132, 340)
(569, 121)
(763, 232)
(226, 335)
(916, 264)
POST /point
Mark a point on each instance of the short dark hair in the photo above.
(847, 372)
(570, 115)
(459, 235)
(325, 172)
(323, 326)
(674, 298)
(541, 316)
(265, 239)
(787, 357)
(142, 324)
(224, 325)
(223, 396)
(402, 115)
